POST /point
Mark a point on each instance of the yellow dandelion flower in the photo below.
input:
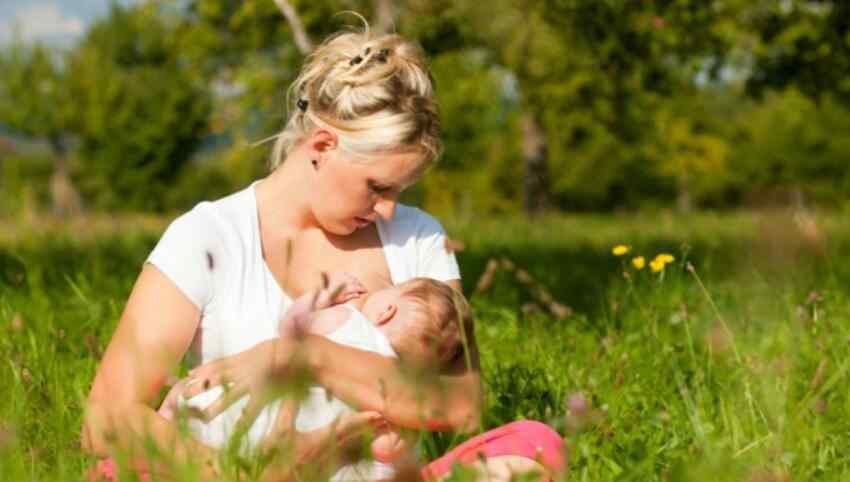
(656, 265)
(638, 262)
(665, 258)
(621, 249)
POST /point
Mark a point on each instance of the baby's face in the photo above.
(390, 299)
(398, 316)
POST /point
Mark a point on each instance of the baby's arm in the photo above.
(340, 288)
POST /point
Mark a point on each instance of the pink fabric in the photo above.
(106, 470)
(526, 438)
(533, 440)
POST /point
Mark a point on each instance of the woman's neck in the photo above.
(283, 201)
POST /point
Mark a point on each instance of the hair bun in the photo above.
(372, 104)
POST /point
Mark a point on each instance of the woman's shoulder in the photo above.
(415, 245)
(227, 215)
(413, 221)
(199, 245)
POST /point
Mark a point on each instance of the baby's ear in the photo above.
(386, 315)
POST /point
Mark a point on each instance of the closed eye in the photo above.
(377, 188)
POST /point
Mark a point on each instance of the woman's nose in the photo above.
(385, 208)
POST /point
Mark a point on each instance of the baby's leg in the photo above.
(389, 446)
(280, 436)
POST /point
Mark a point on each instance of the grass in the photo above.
(736, 370)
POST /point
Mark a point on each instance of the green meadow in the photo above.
(730, 363)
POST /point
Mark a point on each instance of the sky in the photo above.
(58, 23)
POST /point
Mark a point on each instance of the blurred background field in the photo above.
(715, 131)
(548, 105)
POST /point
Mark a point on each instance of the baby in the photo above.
(418, 321)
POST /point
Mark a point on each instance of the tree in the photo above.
(629, 56)
(802, 44)
(514, 45)
(34, 101)
(139, 110)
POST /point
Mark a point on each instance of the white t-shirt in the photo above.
(213, 254)
(318, 409)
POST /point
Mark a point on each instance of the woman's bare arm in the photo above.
(451, 401)
(154, 332)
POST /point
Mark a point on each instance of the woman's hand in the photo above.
(255, 372)
(317, 446)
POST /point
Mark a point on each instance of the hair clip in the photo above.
(302, 104)
(382, 55)
(356, 60)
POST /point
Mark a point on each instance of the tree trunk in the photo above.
(684, 199)
(65, 199)
(535, 171)
(385, 14)
(302, 40)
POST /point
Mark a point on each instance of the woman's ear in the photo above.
(386, 315)
(321, 142)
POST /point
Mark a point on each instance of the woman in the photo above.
(364, 128)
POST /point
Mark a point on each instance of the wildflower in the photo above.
(621, 249)
(656, 265)
(578, 405)
(661, 260)
(665, 258)
(638, 262)
(580, 413)
(17, 322)
(814, 297)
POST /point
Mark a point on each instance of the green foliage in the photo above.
(139, 112)
(473, 166)
(33, 97)
(790, 143)
(801, 44)
(641, 104)
(23, 184)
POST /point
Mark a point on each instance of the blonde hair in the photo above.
(374, 92)
(443, 314)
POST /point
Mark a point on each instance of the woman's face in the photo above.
(352, 193)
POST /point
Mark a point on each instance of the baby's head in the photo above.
(422, 319)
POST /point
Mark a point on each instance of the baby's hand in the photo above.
(388, 446)
(343, 287)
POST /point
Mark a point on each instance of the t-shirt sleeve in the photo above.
(184, 254)
(434, 260)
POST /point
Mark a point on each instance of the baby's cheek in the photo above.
(387, 447)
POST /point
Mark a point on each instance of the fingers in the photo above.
(346, 288)
(196, 386)
(249, 414)
(232, 393)
(286, 416)
(204, 377)
(283, 428)
(355, 423)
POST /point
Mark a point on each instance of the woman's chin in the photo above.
(340, 228)
(344, 227)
